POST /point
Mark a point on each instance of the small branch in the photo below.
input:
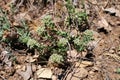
(2, 77)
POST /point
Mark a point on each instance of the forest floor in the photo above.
(27, 48)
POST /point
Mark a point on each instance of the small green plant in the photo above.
(70, 7)
(62, 33)
(4, 24)
(80, 18)
(41, 30)
(24, 34)
(56, 58)
(1, 34)
(76, 18)
(32, 43)
(12, 8)
(81, 42)
(62, 46)
(87, 36)
(62, 42)
(118, 71)
(48, 22)
(24, 38)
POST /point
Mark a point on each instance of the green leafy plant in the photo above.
(12, 8)
(75, 17)
(87, 36)
(118, 70)
(24, 37)
(80, 18)
(4, 24)
(32, 43)
(62, 33)
(24, 34)
(1, 34)
(62, 46)
(56, 58)
(47, 20)
(62, 42)
(81, 42)
(41, 30)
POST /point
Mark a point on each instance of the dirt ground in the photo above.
(101, 63)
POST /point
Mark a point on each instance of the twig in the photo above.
(21, 2)
(106, 4)
(2, 77)
(68, 71)
(69, 48)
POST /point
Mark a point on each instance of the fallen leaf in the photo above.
(44, 73)
(73, 33)
(30, 59)
(112, 11)
(22, 16)
(27, 74)
(83, 64)
(72, 53)
(5, 58)
(104, 24)
(16, 24)
(77, 74)
(54, 77)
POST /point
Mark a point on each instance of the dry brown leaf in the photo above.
(72, 53)
(35, 24)
(30, 59)
(113, 11)
(27, 74)
(44, 73)
(22, 16)
(16, 24)
(54, 77)
(77, 74)
(104, 24)
(73, 33)
(5, 58)
(83, 64)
